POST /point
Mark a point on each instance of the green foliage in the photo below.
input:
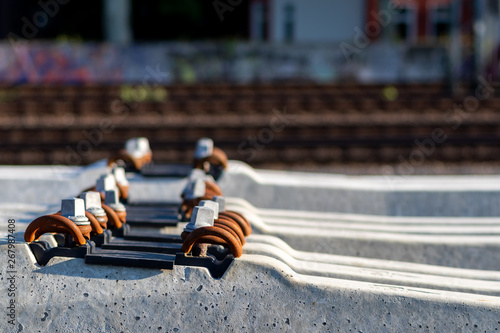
(131, 94)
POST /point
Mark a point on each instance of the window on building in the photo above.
(405, 23)
(289, 28)
(439, 23)
(258, 27)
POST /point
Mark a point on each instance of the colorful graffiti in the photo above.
(165, 63)
(60, 63)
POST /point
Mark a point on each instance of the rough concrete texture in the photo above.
(360, 269)
(257, 293)
(155, 190)
(458, 242)
(38, 185)
(470, 256)
(376, 270)
(378, 195)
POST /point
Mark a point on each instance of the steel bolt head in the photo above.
(112, 199)
(212, 205)
(137, 147)
(120, 177)
(194, 189)
(92, 201)
(74, 209)
(204, 148)
(143, 145)
(221, 201)
(201, 217)
(196, 173)
(105, 183)
(200, 174)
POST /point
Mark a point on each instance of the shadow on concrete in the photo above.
(77, 268)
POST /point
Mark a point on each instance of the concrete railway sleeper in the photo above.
(78, 241)
(98, 245)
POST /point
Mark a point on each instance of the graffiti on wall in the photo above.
(44, 62)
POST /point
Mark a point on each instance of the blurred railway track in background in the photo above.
(264, 125)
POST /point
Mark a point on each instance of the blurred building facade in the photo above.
(468, 31)
(409, 21)
(304, 21)
(249, 41)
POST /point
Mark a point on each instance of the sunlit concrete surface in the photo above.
(373, 195)
(46, 184)
(259, 292)
(400, 258)
(378, 195)
(450, 196)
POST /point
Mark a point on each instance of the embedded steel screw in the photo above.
(105, 183)
(198, 173)
(74, 209)
(245, 226)
(221, 201)
(195, 188)
(112, 200)
(94, 206)
(121, 181)
(201, 217)
(136, 153)
(120, 177)
(194, 191)
(138, 148)
(71, 220)
(211, 186)
(199, 187)
(204, 148)
(210, 159)
(203, 229)
(212, 205)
